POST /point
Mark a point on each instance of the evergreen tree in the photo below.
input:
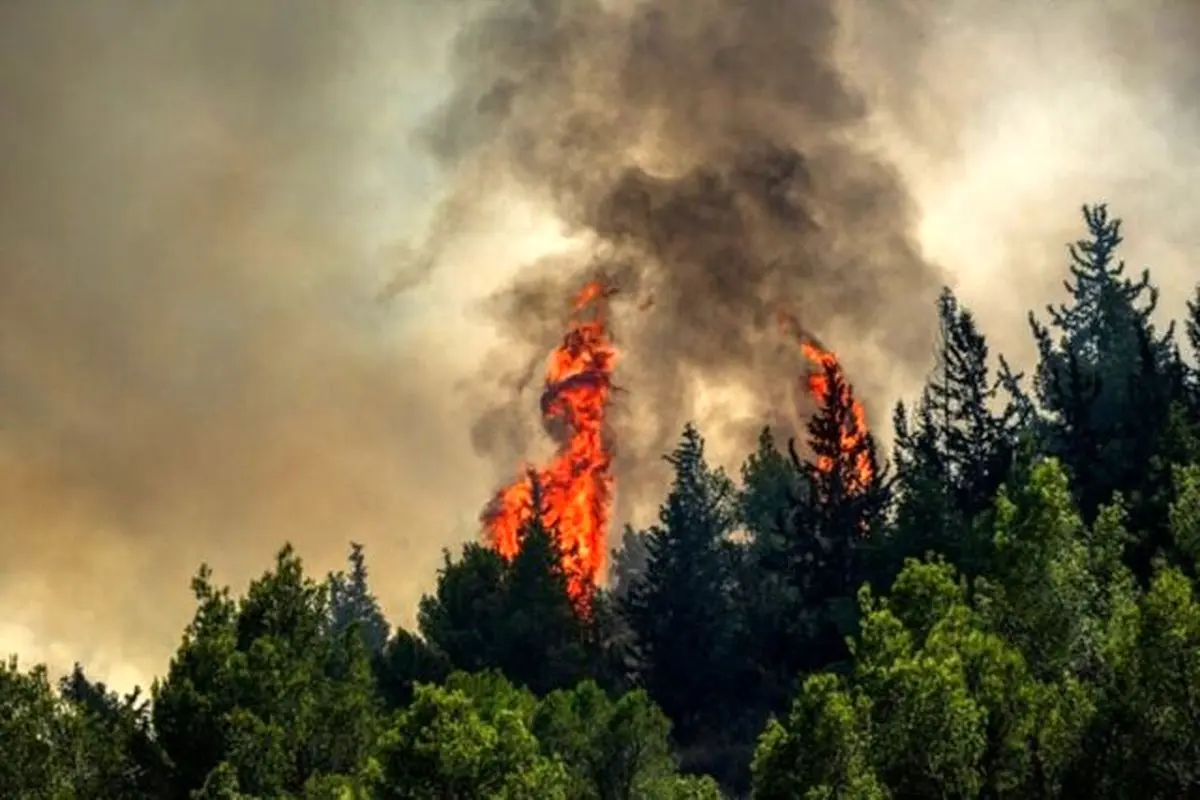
(679, 608)
(119, 755)
(845, 476)
(959, 448)
(546, 633)
(1191, 404)
(767, 599)
(831, 526)
(406, 661)
(769, 479)
(1105, 375)
(516, 617)
(351, 603)
(628, 560)
(926, 519)
(464, 617)
(1192, 325)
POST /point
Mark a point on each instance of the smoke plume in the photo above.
(711, 158)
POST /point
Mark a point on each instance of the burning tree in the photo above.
(844, 464)
(576, 487)
(826, 525)
(838, 434)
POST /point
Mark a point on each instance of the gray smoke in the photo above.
(713, 157)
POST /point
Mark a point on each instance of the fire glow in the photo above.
(852, 450)
(577, 486)
(853, 435)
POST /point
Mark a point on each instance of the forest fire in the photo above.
(576, 487)
(854, 430)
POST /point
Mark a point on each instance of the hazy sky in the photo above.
(201, 204)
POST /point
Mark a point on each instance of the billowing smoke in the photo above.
(712, 158)
(200, 203)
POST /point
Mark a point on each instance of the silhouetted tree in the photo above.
(953, 456)
(517, 616)
(351, 602)
(1104, 376)
(679, 609)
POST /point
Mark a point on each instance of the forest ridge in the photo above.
(1006, 608)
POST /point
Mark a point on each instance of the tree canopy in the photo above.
(1004, 606)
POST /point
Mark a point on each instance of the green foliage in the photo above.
(614, 750)
(1185, 513)
(352, 604)
(117, 755)
(36, 734)
(264, 688)
(1165, 700)
(465, 742)
(938, 705)
(822, 750)
(1053, 587)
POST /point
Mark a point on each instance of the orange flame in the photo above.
(855, 431)
(577, 486)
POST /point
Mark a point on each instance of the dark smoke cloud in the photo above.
(712, 155)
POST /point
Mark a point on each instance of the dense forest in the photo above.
(1005, 605)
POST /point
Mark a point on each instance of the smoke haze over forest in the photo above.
(281, 270)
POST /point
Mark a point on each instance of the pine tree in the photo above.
(828, 528)
(516, 617)
(955, 454)
(767, 597)
(628, 560)
(545, 637)
(1100, 359)
(679, 607)
(1190, 405)
(980, 428)
(464, 616)
(1192, 326)
(768, 478)
(848, 492)
(926, 520)
(351, 602)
